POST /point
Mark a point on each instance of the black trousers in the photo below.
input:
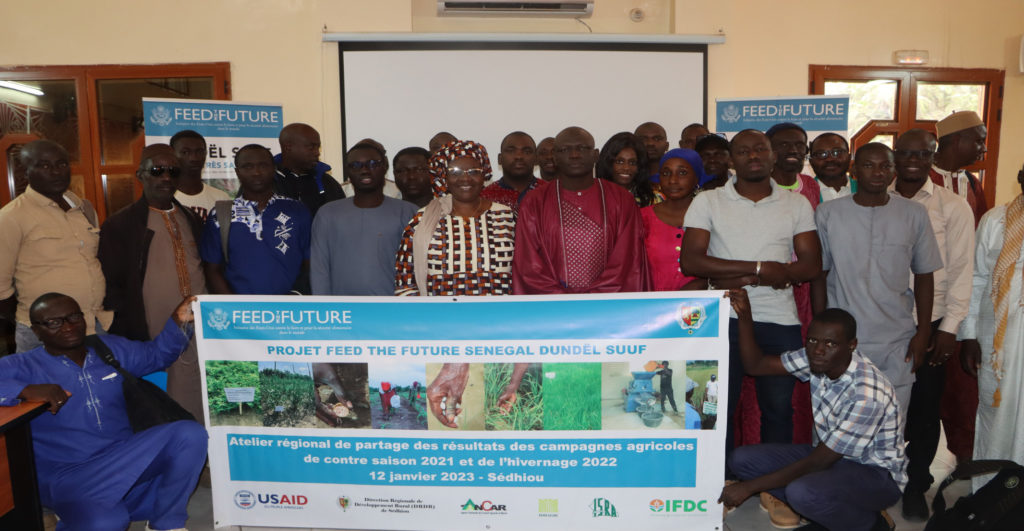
(923, 424)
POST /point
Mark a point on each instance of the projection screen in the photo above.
(402, 93)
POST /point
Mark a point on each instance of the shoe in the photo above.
(779, 514)
(175, 529)
(884, 522)
(915, 507)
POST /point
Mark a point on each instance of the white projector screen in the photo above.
(401, 94)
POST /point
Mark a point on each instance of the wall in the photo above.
(276, 52)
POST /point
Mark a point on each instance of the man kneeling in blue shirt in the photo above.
(859, 466)
(94, 472)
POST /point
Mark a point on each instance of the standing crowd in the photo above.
(882, 241)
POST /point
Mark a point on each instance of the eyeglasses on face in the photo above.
(55, 323)
(157, 171)
(457, 173)
(823, 154)
(370, 164)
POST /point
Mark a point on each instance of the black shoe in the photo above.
(812, 526)
(883, 522)
(915, 507)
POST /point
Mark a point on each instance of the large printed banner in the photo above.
(226, 125)
(816, 114)
(481, 413)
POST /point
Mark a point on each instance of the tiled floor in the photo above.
(747, 517)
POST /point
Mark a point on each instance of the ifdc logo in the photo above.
(245, 499)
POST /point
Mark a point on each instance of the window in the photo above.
(886, 101)
(95, 112)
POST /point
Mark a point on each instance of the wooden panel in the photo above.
(6, 489)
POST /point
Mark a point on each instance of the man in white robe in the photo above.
(993, 333)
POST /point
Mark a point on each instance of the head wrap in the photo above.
(385, 386)
(957, 122)
(692, 158)
(690, 384)
(449, 152)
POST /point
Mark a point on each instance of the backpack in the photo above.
(997, 506)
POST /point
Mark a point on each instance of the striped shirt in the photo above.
(467, 256)
(856, 415)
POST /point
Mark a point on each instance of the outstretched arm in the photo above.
(754, 361)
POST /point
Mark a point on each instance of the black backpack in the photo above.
(997, 506)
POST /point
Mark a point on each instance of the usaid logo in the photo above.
(245, 499)
(218, 319)
(160, 116)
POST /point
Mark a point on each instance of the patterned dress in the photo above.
(466, 256)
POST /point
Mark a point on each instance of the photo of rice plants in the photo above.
(513, 396)
(286, 394)
(571, 396)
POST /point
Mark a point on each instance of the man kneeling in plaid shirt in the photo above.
(859, 466)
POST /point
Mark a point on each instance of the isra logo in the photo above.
(547, 507)
(485, 506)
(603, 507)
(678, 506)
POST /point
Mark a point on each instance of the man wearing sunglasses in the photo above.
(149, 251)
(355, 239)
(48, 242)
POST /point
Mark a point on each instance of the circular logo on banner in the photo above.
(691, 316)
(245, 499)
(657, 506)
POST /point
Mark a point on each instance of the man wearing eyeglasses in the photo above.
(267, 247)
(872, 244)
(578, 234)
(299, 173)
(830, 160)
(149, 251)
(94, 471)
(355, 239)
(48, 242)
(953, 224)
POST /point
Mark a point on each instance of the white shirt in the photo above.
(203, 202)
(828, 193)
(744, 230)
(953, 224)
(963, 184)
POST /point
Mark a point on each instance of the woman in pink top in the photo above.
(681, 174)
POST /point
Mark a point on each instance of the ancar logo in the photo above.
(603, 507)
(486, 506)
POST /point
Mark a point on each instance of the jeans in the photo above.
(844, 497)
(774, 393)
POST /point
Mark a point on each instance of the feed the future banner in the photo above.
(816, 114)
(477, 413)
(226, 126)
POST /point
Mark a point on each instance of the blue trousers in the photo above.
(148, 476)
(774, 393)
(845, 497)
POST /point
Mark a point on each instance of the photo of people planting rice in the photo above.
(398, 398)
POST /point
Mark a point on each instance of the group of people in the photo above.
(884, 236)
